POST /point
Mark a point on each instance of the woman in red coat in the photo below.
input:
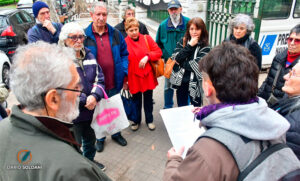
(141, 80)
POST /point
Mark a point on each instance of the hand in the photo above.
(143, 62)
(90, 102)
(125, 86)
(172, 152)
(196, 109)
(8, 111)
(47, 24)
(194, 41)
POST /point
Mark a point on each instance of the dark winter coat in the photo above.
(38, 32)
(142, 28)
(248, 42)
(290, 109)
(91, 75)
(266, 88)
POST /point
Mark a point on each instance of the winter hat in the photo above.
(37, 6)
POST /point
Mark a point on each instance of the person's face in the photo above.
(133, 32)
(75, 41)
(99, 16)
(69, 105)
(292, 81)
(44, 14)
(129, 13)
(239, 31)
(294, 43)
(175, 11)
(194, 32)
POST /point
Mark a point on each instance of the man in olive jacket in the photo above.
(36, 143)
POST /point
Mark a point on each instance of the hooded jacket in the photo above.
(208, 160)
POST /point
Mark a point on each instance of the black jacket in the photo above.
(142, 28)
(252, 46)
(290, 109)
(266, 88)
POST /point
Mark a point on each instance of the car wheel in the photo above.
(5, 74)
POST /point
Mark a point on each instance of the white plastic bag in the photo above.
(109, 116)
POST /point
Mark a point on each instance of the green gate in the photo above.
(220, 12)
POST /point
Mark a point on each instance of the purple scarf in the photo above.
(206, 110)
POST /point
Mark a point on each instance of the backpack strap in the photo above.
(265, 154)
(243, 150)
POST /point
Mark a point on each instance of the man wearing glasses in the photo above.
(44, 29)
(108, 46)
(72, 35)
(281, 65)
(36, 136)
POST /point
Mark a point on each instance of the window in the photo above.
(277, 9)
(16, 19)
(297, 9)
(26, 17)
(3, 22)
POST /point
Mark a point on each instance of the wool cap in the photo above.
(37, 6)
(174, 4)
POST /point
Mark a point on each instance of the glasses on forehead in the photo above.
(292, 73)
(75, 38)
(290, 40)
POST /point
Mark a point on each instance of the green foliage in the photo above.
(7, 2)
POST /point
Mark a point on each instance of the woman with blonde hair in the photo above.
(141, 80)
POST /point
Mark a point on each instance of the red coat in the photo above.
(141, 79)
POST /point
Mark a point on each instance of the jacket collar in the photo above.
(170, 25)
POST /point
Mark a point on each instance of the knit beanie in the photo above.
(37, 6)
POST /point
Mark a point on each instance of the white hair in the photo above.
(242, 19)
(127, 8)
(67, 29)
(37, 68)
(98, 4)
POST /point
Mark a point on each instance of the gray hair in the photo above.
(67, 29)
(37, 68)
(242, 19)
(127, 8)
(98, 4)
(295, 29)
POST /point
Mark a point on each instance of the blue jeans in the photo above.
(111, 93)
(168, 94)
(85, 135)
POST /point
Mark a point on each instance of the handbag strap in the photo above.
(147, 42)
(104, 93)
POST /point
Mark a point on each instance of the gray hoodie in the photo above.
(255, 121)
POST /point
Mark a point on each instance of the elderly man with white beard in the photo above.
(36, 137)
(169, 32)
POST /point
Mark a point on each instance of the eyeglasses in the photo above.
(75, 38)
(292, 73)
(290, 40)
(73, 90)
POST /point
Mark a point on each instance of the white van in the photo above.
(278, 18)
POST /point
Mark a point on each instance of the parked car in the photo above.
(26, 5)
(14, 24)
(4, 68)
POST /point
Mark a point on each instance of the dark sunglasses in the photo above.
(75, 38)
(290, 40)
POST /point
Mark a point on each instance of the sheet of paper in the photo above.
(181, 127)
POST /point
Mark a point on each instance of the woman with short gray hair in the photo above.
(241, 28)
(72, 35)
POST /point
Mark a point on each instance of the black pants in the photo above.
(182, 95)
(85, 135)
(148, 106)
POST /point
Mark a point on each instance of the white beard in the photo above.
(68, 112)
(175, 18)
